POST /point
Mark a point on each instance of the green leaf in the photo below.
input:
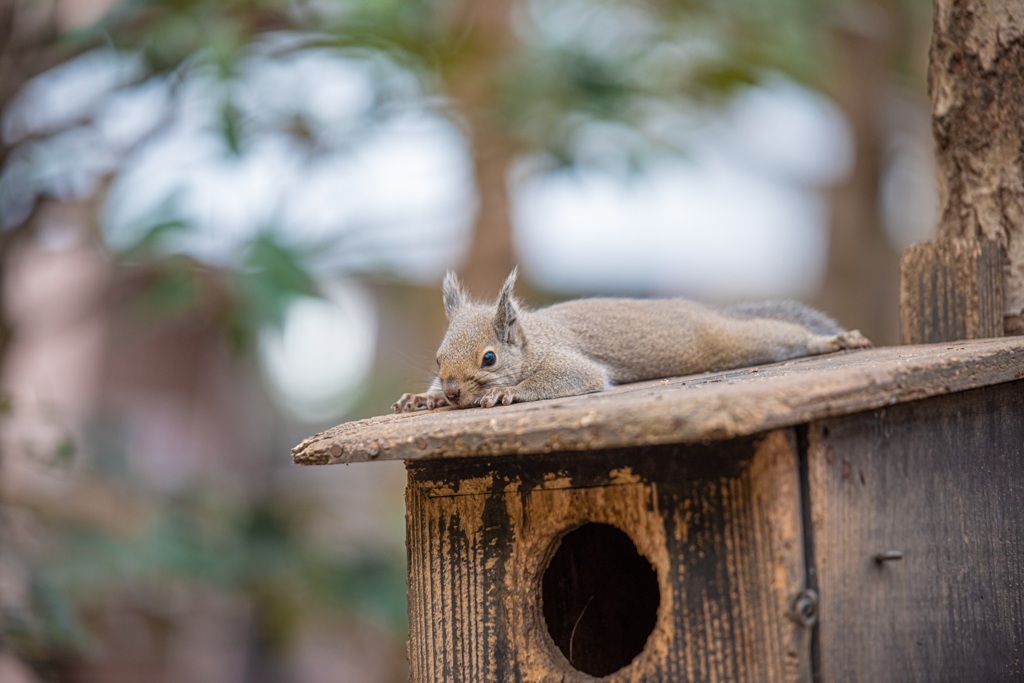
(174, 291)
(231, 121)
(64, 453)
(724, 76)
(155, 236)
(272, 276)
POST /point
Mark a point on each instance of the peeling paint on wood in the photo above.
(720, 524)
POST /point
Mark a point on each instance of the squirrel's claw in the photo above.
(503, 395)
(853, 339)
(409, 403)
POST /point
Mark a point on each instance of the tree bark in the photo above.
(976, 81)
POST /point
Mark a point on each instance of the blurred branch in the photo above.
(88, 502)
(29, 44)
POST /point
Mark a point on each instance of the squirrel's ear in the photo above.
(506, 318)
(452, 294)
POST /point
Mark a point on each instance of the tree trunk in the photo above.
(863, 268)
(473, 81)
(977, 88)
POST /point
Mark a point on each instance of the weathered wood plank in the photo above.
(682, 410)
(941, 481)
(951, 289)
(719, 524)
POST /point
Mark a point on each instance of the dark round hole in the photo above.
(600, 599)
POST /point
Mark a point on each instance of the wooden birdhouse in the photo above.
(856, 517)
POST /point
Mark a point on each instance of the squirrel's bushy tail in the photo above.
(790, 311)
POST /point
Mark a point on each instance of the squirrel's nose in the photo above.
(452, 390)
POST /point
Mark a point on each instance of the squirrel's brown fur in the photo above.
(586, 345)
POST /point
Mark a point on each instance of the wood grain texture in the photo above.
(975, 62)
(951, 289)
(720, 524)
(941, 481)
(682, 410)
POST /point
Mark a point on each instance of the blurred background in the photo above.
(223, 227)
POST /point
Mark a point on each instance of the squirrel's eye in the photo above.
(489, 359)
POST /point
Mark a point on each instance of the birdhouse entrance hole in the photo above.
(600, 599)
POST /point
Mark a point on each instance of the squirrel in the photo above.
(502, 353)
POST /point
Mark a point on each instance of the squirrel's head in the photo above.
(483, 347)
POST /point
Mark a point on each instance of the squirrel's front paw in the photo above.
(412, 402)
(492, 397)
(852, 339)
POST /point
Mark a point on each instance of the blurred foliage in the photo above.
(242, 298)
(646, 68)
(258, 550)
(271, 276)
(635, 70)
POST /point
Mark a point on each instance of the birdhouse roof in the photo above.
(697, 408)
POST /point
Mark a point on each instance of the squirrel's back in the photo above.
(638, 339)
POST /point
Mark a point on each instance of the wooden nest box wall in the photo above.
(856, 517)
